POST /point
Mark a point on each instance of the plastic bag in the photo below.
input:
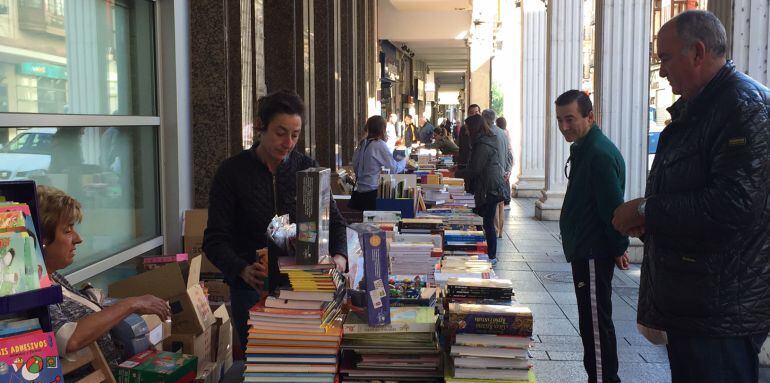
(283, 234)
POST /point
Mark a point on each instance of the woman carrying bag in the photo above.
(484, 177)
(368, 160)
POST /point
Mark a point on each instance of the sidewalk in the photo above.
(530, 254)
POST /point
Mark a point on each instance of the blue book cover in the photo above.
(376, 277)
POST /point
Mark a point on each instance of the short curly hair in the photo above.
(54, 207)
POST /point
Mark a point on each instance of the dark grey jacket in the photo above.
(706, 269)
(244, 197)
(484, 173)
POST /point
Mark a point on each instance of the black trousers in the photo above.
(714, 360)
(593, 289)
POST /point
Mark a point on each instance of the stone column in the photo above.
(749, 36)
(215, 90)
(532, 179)
(622, 83)
(563, 72)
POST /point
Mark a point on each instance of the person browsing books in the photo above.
(368, 160)
(484, 177)
(80, 319)
(597, 179)
(248, 190)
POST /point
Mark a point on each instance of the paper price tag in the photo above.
(375, 296)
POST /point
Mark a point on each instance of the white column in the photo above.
(622, 88)
(750, 35)
(532, 179)
(564, 71)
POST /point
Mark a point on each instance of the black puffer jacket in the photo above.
(244, 197)
(484, 174)
(706, 269)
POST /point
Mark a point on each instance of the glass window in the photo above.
(79, 57)
(112, 171)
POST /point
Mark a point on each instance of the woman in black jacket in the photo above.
(484, 177)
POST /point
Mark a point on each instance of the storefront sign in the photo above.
(43, 70)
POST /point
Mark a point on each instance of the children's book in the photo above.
(31, 357)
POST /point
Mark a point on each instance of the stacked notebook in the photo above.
(406, 350)
(463, 267)
(295, 336)
(490, 341)
(408, 257)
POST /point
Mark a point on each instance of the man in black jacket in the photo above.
(248, 190)
(705, 218)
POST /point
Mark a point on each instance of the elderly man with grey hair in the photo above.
(506, 158)
(705, 217)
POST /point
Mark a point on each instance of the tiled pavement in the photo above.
(530, 254)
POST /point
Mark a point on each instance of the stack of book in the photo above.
(463, 267)
(420, 225)
(406, 350)
(477, 290)
(413, 258)
(489, 341)
(296, 336)
(463, 199)
(464, 243)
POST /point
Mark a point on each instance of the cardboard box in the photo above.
(218, 291)
(158, 329)
(313, 198)
(207, 374)
(157, 367)
(199, 345)
(194, 224)
(222, 335)
(190, 311)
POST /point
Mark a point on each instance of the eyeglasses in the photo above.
(567, 167)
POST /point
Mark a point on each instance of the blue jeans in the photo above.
(714, 360)
(241, 301)
(487, 212)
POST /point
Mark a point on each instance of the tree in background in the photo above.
(497, 98)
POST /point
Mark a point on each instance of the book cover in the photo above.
(402, 320)
(313, 204)
(31, 357)
(20, 269)
(406, 286)
(490, 319)
(376, 277)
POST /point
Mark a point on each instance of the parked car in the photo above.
(27, 154)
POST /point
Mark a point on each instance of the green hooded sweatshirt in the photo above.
(597, 179)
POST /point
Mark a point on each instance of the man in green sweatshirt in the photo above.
(597, 177)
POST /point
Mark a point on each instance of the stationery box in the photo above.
(157, 367)
(375, 250)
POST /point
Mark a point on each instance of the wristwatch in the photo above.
(641, 207)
